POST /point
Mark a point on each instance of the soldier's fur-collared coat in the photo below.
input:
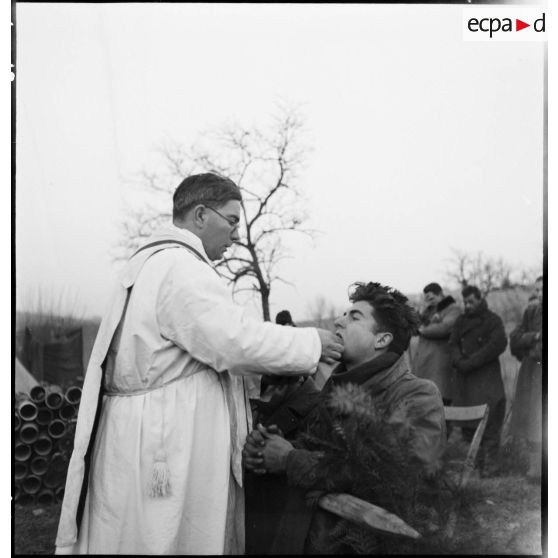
(476, 342)
(526, 419)
(432, 355)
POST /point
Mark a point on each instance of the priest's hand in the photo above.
(332, 346)
(275, 453)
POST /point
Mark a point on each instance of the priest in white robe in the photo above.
(156, 466)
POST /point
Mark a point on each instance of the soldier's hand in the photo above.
(256, 438)
(252, 452)
(274, 429)
(332, 346)
(253, 460)
(275, 454)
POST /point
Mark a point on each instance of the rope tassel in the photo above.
(160, 477)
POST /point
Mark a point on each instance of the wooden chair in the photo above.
(468, 414)
(463, 415)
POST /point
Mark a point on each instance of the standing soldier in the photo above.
(477, 340)
(432, 357)
(526, 345)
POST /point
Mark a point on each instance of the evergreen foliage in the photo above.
(365, 455)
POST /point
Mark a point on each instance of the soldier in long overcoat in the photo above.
(526, 345)
(477, 340)
(432, 356)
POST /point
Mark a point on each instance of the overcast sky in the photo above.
(421, 142)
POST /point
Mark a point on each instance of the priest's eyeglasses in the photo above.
(232, 221)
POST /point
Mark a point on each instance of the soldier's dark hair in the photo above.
(539, 278)
(391, 311)
(207, 188)
(433, 288)
(471, 290)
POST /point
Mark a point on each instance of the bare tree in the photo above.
(528, 275)
(265, 164)
(458, 269)
(478, 269)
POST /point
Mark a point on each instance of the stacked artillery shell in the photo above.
(44, 426)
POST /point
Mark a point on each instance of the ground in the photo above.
(35, 529)
(500, 515)
(497, 512)
(503, 517)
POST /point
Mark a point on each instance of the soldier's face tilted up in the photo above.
(359, 331)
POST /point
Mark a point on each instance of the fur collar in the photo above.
(445, 302)
(363, 372)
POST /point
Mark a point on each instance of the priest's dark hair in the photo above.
(391, 310)
(433, 288)
(210, 189)
(471, 290)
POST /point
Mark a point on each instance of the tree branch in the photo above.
(263, 162)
